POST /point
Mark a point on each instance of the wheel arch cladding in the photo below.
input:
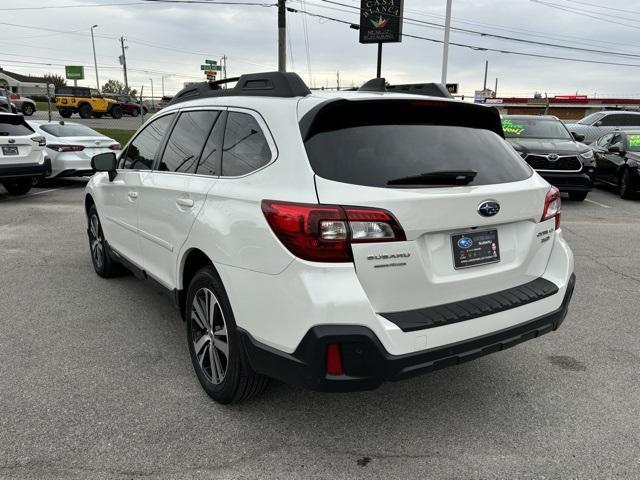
(193, 260)
(88, 203)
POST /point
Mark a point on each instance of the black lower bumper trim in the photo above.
(367, 364)
(439, 315)
(26, 170)
(569, 182)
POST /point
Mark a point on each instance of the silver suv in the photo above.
(593, 126)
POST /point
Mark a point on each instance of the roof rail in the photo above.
(430, 89)
(268, 84)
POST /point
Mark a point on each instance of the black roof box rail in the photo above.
(268, 84)
(430, 89)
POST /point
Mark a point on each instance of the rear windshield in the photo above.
(58, 130)
(14, 125)
(369, 146)
(547, 128)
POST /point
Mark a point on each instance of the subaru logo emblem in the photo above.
(488, 208)
(465, 242)
(11, 140)
(552, 157)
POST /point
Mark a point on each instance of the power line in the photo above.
(595, 15)
(85, 5)
(474, 47)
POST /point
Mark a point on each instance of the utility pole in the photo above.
(338, 79)
(95, 62)
(151, 91)
(486, 69)
(445, 48)
(495, 90)
(282, 36)
(123, 61)
(224, 67)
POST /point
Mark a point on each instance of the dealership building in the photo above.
(23, 84)
(565, 107)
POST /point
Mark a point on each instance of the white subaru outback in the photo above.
(332, 240)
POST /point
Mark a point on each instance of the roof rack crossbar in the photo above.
(268, 84)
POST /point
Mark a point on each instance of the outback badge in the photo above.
(488, 208)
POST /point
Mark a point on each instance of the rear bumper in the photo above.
(569, 182)
(26, 170)
(367, 364)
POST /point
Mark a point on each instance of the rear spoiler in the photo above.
(428, 89)
(340, 113)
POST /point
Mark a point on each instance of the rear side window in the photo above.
(67, 130)
(374, 143)
(245, 146)
(142, 151)
(11, 125)
(187, 141)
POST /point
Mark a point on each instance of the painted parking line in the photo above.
(596, 203)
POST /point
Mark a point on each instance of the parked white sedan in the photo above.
(71, 146)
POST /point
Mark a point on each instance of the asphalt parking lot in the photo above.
(96, 381)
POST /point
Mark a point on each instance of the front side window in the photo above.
(141, 152)
(245, 147)
(611, 120)
(187, 141)
(604, 141)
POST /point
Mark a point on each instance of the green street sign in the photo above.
(74, 72)
(211, 62)
(217, 68)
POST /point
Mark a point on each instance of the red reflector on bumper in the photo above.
(334, 360)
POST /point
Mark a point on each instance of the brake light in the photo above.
(115, 146)
(552, 206)
(334, 360)
(324, 233)
(66, 148)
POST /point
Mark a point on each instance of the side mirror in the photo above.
(598, 123)
(614, 149)
(105, 162)
(578, 137)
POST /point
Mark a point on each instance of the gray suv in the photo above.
(593, 126)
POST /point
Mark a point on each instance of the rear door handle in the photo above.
(184, 202)
(132, 195)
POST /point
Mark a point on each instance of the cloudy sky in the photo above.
(171, 40)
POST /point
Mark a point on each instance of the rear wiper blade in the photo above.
(441, 177)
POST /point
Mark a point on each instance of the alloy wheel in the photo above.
(209, 335)
(96, 242)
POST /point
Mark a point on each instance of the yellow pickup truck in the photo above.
(87, 102)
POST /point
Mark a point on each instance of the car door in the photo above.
(613, 160)
(175, 191)
(119, 203)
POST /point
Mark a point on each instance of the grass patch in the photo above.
(119, 135)
(44, 106)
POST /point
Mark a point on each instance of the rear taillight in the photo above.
(66, 148)
(41, 141)
(115, 146)
(552, 206)
(334, 359)
(324, 233)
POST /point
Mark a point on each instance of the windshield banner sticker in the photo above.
(634, 141)
(513, 128)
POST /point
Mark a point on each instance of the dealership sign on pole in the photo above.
(74, 72)
(380, 21)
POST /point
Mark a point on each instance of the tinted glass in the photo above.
(604, 140)
(611, 120)
(11, 125)
(591, 119)
(68, 130)
(187, 140)
(629, 120)
(515, 127)
(245, 147)
(141, 153)
(209, 160)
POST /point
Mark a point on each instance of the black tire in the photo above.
(85, 110)
(18, 186)
(28, 109)
(238, 382)
(578, 196)
(65, 112)
(135, 112)
(97, 115)
(103, 264)
(624, 185)
(116, 112)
